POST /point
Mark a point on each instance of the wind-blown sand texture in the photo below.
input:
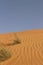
(28, 52)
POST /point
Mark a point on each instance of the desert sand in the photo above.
(28, 52)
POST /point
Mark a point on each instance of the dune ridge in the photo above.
(28, 52)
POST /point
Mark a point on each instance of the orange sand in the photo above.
(28, 52)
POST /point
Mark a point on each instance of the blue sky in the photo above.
(19, 15)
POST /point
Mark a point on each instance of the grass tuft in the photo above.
(4, 54)
(15, 42)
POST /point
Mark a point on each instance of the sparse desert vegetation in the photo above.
(4, 54)
(15, 42)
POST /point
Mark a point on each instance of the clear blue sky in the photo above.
(18, 15)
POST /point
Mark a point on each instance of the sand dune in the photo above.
(28, 52)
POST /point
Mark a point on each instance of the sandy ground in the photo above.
(28, 52)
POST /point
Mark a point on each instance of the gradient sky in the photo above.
(18, 15)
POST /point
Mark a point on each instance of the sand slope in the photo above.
(28, 52)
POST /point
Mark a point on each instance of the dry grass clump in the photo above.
(4, 54)
(15, 42)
